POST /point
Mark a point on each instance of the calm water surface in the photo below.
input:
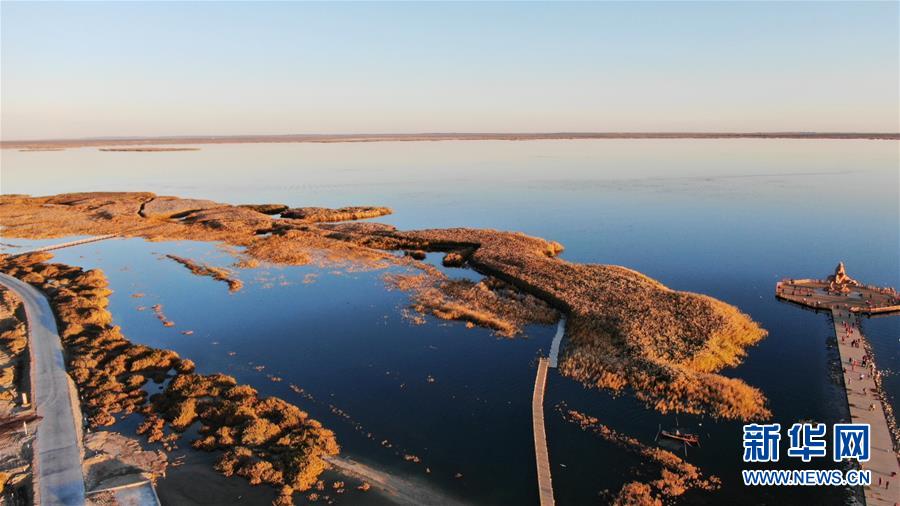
(726, 218)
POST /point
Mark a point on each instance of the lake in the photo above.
(727, 218)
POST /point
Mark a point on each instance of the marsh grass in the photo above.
(217, 273)
(265, 440)
(674, 476)
(625, 330)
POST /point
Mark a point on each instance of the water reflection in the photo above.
(725, 218)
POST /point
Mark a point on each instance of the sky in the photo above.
(72, 70)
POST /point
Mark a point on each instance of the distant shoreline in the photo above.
(328, 138)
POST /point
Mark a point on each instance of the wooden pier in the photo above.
(846, 300)
(545, 483)
(69, 244)
(542, 456)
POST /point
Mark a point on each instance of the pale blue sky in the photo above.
(123, 69)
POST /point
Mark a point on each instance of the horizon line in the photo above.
(434, 136)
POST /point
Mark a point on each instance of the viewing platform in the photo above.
(839, 291)
(847, 299)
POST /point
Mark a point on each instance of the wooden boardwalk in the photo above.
(542, 456)
(545, 483)
(69, 244)
(864, 398)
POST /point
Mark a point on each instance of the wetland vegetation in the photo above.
(266, 440)
(625, 330)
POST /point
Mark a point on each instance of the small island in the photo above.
(148, 149)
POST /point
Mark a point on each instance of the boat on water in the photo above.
(685, 437)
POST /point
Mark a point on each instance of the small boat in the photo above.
(687, 438)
